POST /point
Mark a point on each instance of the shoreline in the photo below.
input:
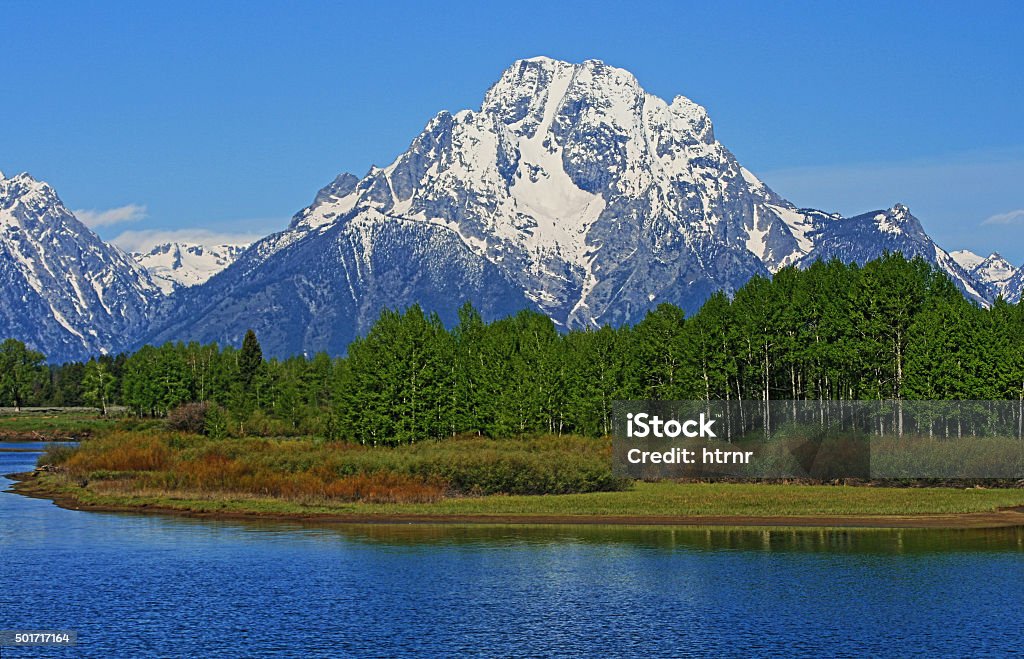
(999, 518)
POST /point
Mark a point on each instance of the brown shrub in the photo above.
(213, 471)
(120, 452)
(384, 487)
(190, 418)
(216, 472)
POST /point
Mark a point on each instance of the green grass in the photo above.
(58, 422)
(662, 499)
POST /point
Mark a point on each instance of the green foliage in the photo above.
(215, 422)
(20, 368)
(893, 329)
(250, 358)
(98, 385)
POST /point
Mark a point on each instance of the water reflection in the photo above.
(847, 541)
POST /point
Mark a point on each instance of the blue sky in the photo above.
(228, 116)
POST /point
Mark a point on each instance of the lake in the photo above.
(135, 585)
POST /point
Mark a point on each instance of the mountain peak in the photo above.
(78, 295)
(571, 191)
(33, 201)
(23, 183)
(542, 60)
(995, 268)
(531, 88)
(342, 185)
(995, 274)
(967, 259)
(898, 220)
(525, 88)
(23, 177)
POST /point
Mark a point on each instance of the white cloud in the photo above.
(143, 241)
(101, 218)
(1013, 217)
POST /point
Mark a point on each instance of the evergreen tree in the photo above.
(250, 359)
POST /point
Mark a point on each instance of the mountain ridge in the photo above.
(62, 288)
(997, 276)
(571, 191)
(593, 198)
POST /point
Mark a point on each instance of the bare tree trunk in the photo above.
(899, 386)
(792, 381)
(767, 397)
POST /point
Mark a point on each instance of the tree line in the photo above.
(892, 329)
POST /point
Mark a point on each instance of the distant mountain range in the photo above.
(994, 274)
(571, 191)
(177, 265)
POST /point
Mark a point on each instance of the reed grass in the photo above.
(307, 470)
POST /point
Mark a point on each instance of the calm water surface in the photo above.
(134, 585)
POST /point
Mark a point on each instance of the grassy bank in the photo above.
(556, 479)
(62, 424)
(645, 502)
(454, 479)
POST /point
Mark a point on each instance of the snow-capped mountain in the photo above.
(1015, 287)
(593, 196)
(177, 264)
(869, 236)
(571, 190)
(63, 291)
(994, 273)
(307, 291)
(967, 259)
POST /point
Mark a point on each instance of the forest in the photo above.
(891, 329)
